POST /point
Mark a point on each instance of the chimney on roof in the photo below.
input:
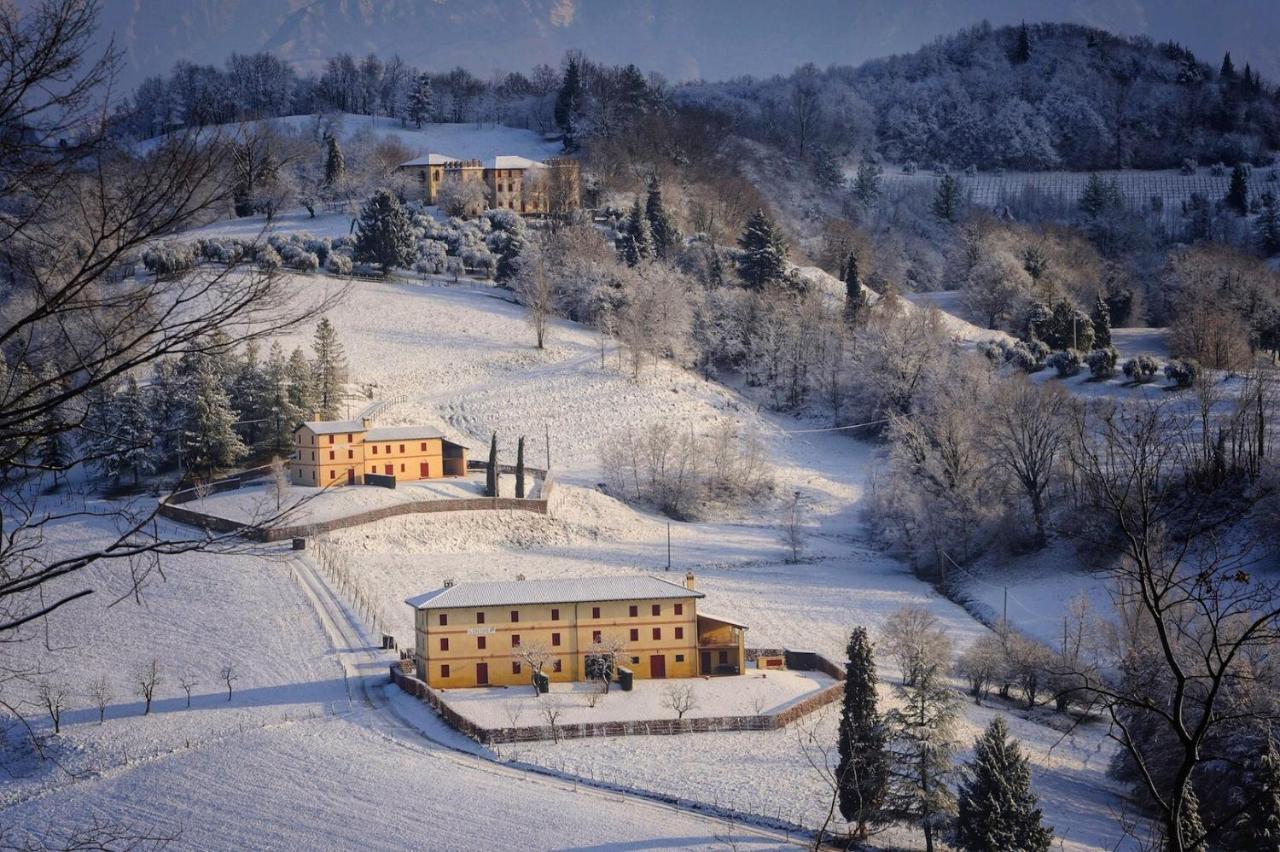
(366, 423)
(448, 584)
(688, 580)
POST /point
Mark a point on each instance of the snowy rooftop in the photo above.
(570, 590)
(400, 433)
(429, 160)
(333, 427)
(513, 162)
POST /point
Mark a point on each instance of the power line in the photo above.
(836, 428)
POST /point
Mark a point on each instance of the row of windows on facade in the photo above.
(424, 470)
(633, 611)
(558, 665)
(597, 636)
(351, 453)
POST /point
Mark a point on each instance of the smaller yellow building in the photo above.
(491, 634)
(341, 452)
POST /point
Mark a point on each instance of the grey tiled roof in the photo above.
(401, 433)
(574, 590)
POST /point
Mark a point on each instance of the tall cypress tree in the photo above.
(330, 370)
(1267, 229)
(1022, 50)
(1238, 192)
(854, 298)
(763, 256)
(997, 806)
(860, 774)
(1101, 319)
(520, 467)
(1228, 70)
(335, 167)
(665, 235)
(491, 479)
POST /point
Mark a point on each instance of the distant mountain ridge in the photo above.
(709, 39)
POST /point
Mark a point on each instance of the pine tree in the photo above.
(861, 772)
(520, 468)
(53, 448)
(1267, 229)
(302, 386)
(250, 398)
(1228, 70)
(866, 186)
(329, 369)
(420, 103)
(946, 201)
(569, 105)
(763, 256)
(665, 235)
(133, 433)
(335, 167)
(284, 414)
(1101, 319)
(1261, 830)
(511, 246)
(854, 298)
(997, 806)
(1238, 192)
(921, 743)
(491, 478)
(1022, 51)
(384, 234)
(1099, 196)
(635, 243)
(209, 440)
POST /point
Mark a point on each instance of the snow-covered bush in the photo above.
(1141, 369)
(480, 259)
(268, 258)
(1066, 362)
(1182, 371)
(431, 256)
(320, 247)
(971, 170)
(1102, 362)
(339, 264)
(909, 167)
(1027, 356)
(1188, 166)
(168, 259)
(1218, 169)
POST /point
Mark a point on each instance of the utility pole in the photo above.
(1006, 606)
(547, 427)
(668, 545)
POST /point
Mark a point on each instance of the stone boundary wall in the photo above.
(401, 675)
(170, 508)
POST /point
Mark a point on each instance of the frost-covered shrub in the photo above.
(1218, 169)
(348, 242)
(431, 256)
(909, 167)
(227, 251)
(268, 258)
(480, 260)
(1188, 166)
(453, 266)
(971, 170)
(1102, 362)
(1182, 371)
(941, 169)
(168, 259)
(339, 264)
(296, 257)
(1066, 362)
(1029, 356)
(1141, 369)
(319, 247)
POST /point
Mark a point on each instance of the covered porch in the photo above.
(721, 645)
(453, 458)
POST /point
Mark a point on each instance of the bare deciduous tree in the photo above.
(794, 533)
(679, 698)
(1027, 437)
(101, 692)
(228, 676)
(552, 708)
(534, 289)
(918, 641)
(54, 695)
(535, 655)
(148, 679)
(187, 682)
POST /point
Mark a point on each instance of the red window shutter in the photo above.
(515, 616)
(558, 667)
(515, 667)
(444, 644)
(555, 638)
(679, 609)
(479, 618)
(657, 633)
(375, 449)
(515, 640)
(595, 612)
(679, 632)
(555, 615)
(444, 619)
(657, 609)
(402, 448)
(633, 611)
(444, 671)
(595, 636)
(480, 642)
(424, 446)
(635, 634)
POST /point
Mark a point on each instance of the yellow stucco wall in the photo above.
(323, 460)
(576, 625)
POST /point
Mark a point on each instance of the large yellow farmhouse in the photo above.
(510, 183)
(481, 634)
(341, 452)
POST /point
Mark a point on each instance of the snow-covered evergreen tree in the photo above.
(491, 474)
(635, 242)
(1261, 829)
(520, 467)
(302, 385)
(1190, 826)
(335, 165)
(861, 773)
(569, 103)
(421, 101)
(1101, 319)
(329, 370)
(511, 243)
(384, 234)
(997, 808)
(1266, 229)
(1237, 197)
(666, 237)
(866, 186)
(285, 415)
(763, 256)
(854, 299)
(921, 744)
(208, 437)
(251, 398)
(1022, 50)
(947, 200)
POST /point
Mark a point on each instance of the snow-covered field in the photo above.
(749, 694)
(305, 758)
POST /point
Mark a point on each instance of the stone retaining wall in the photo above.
(401, 675)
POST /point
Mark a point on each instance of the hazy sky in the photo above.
(683, 39)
